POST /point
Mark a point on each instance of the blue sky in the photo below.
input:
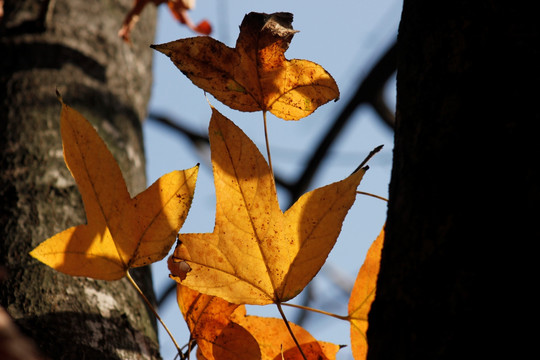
(346, 38)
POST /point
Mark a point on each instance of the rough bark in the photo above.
(455, 275)
(72, 46)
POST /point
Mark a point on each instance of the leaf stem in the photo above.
(267, 143)
(372, 195)
(278, 304)
(341, 317)
(154, 311)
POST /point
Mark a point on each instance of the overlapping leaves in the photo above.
(222, 330)
(256, 254)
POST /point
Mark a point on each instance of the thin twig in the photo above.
(375, 80)
(171, 288)
(340, 317)
(290, 330)
(267, 143)
(368, 157)
(372, 195)
(128, 275)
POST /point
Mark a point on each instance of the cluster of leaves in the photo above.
(256, 254)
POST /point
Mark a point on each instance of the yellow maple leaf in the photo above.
(121, 232)
(362, 296)
(255, 75)
(257, 254)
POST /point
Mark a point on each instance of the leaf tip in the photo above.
(159, 47)
(162, 48)
(33, 253)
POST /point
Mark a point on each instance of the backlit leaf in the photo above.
(257, 254)
(121, 232)
(362, 296)
(224, 332)
(255, 75)
(274, 339)
(217, 337)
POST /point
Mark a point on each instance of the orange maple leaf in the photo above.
(257, 254)
(362, 296)
(224, 331)
(255, 75)
(275, 342)
(179, 9)
(210, 325)
(121, 232)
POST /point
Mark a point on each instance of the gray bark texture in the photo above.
(457, 270)
(72, 46)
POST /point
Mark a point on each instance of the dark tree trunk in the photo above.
(72, 46)
(455, 273)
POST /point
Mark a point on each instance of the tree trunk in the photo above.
(464, 192)
(72, 46)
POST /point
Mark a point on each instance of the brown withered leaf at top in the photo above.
(121, 232)
(257, 254)
(362, 296)
(255, 75)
